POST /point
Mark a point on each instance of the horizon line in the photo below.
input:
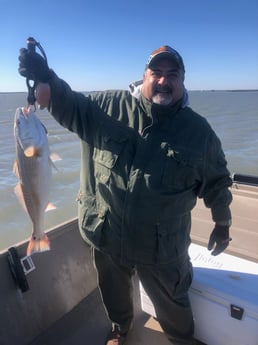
(208, 90)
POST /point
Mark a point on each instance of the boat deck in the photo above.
(88, 324)
(63, 305)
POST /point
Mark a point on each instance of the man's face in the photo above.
(163, 83)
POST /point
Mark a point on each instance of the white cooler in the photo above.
(224, 298)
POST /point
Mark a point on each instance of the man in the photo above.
(146, 157)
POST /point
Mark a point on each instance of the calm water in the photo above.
(233, 115)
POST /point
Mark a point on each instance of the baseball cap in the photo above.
(168, 52)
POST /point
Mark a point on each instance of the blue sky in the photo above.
(97, 45)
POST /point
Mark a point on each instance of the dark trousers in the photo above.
(167, 286)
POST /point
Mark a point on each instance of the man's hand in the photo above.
(33, 66)
(220, 237)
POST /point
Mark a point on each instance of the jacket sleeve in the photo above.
(72, 109)
(216, 182)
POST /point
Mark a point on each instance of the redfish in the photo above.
(34, 171)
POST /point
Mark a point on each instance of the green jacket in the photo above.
(142, 170)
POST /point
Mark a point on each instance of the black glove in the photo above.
(33, 66)
(220, 236)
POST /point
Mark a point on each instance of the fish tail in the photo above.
(38, 245)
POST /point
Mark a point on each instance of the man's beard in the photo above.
(163, 96)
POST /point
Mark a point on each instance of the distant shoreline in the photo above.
(237, 90)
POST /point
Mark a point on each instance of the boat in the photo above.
(52, 298)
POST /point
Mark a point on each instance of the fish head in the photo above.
(29, 132)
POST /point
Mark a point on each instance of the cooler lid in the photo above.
(225, 278)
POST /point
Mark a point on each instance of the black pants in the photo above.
(167, 286)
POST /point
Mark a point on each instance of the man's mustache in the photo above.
(163, 89)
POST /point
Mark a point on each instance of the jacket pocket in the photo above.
(91, 219)
(173, 238)
(105, 155)
(181, 168)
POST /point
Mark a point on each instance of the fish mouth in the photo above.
(23, 112)
(19, 116)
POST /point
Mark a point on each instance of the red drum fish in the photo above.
(33, 169)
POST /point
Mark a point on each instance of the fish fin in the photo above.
(53, 158)
(50, 207)
(18, 192)
(38, 245)
(15, 169)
